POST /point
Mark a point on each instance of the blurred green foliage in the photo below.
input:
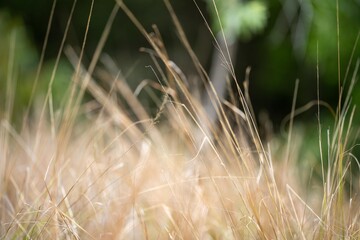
(280, 40)
(19, 60)
(323, 34)
(239, 18)
(299, 35)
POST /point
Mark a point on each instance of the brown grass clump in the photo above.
(117, 172)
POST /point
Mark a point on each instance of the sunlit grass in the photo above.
(108, 169)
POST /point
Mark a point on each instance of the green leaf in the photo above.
(239, 20)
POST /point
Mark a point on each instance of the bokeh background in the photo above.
(278, 39)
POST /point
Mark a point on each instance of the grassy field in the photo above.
(106, 168)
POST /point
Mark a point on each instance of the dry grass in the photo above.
(115, 173)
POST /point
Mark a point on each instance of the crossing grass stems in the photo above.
(119, 172)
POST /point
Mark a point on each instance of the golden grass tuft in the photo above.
(119, 173)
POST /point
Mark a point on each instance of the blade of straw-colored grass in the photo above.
(293, 107)
(305, 108)
(161, 55)
(48, 96)
(134, 104)
(338, 51)
(69, 112)
(97, 54)
(296, 214)
(100, 95)
(184, 40)
(319, 121)
(4, 134)
(351, 57)
(11, 77)
(19, 140)
(180, 206)
(290, 189)
(41, 61)
(206, 119)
